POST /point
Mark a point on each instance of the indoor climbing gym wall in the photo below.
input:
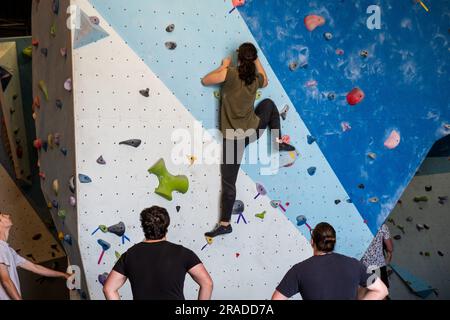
(419, 227)
(128, 86)
(14, 135)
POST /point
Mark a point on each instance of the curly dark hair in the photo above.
(247, 54)
(155, 221)
(324, 237)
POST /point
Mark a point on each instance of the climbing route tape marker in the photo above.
(424, 6)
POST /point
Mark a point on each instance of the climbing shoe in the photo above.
(285, 147)
(219, 230)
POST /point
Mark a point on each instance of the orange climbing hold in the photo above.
(313, 21)
(36, 103)
(393, 140)
(35, 43)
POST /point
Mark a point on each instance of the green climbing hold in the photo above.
(167, 182)
(118, 255)
(103, 228)
(261, 215)
(53, 30)
(62, 213)
(44, 89)
(421, 199)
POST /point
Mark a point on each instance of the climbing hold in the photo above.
(409, 219)
(440, 253)
(373, 200)
(145, 92)
(102, 278)
(42, 175)
(133, 143)
(53, 30)
(393, 140)
(55, 204)
(277, 204)
(345, 126)
(50, 141)
(55, 186)
(421, 199)
(312, 171)
(45, 146)
(217, 94)
(192, 160)
(28, 51)
(442, 200)
(170, 28)
(361, 186)
(167, 182)
(237, 255)
(100, 160)
(63, 52)
(340, 52)
(62, 213)
(397, 237)
(331, 96)
(355, 96)
(428, 188)
(178, 208)
(64, 151)
(117, 254)
(84, 178)
(328, 36)
(391, 221)
(311, 139)
(372, 155)
(301, 220)
(337, 201)
(236, 3)
(258, 95)
(68, 85)
(59, 104)
(55, 6)
(261, 215)
(44, 51)
(68, 239)
(118, 229)
(171, 45)
(105, 247)
(94, 20)
(426, 226)
(209, 240)
(284, 112)
(35, 43)
(238, 207)
(72, 184)
(57, 139)
(260, 190)
(293, 65)
(401, 228)
(313, 21)
(37, 144)
(311, 84)
(37, 236)
(364, 53)
(43, 88)
(72, 201)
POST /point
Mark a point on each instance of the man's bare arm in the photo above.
(113, 283)
(8, 284)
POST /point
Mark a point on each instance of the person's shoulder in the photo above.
(5, 246)
(347, 259)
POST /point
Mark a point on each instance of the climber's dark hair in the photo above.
(324, 237)
(154, 222)
(247, 54)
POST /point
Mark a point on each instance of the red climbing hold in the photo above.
(37, 144)
(237, 255)
(355, 96)
(35, 43)
(314, 21)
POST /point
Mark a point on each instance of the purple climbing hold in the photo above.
(133, 142)
(94, 20)
(55, 204)
(260, 190)
(84, 178)
(102, 278)
(100, 160)
(72, 201)
(68, 85)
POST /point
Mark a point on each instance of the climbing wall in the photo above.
(12, 112)
(136, 76)
(418, 225)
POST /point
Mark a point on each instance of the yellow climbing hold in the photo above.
(118, 255)
(50, 141)
(43, 88)
(192, 160)
(60, 236)
(49, 205)
(55, 186)
(258, 95)
(209, 240)
(28, 51)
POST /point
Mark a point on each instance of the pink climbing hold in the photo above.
(311, 84)
(355, 96)
(238, 3)
(68, 84)
(313, 21)
(345, 126)
(393, 140)
(340, 52)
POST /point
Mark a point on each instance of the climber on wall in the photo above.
(10, 260)
(155, 267)
(240, 123)
(328, 275)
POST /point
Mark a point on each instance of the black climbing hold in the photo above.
(45, 146)
(170, 28)
(132, 142)
(145, 92)
(37, 236)
(361, 186)
(397, 237)
(15, 97)
(54, 247)
(443, 199)
(409, 219)
(238, 207)
(55, 6)
(171, 45)
(337, 201)
(440, 253)
(311, 139)
(428, 188)
(419, 226)
(331, 96)
(284, 111)
(421, 199)
(328, 36)
(55, 204)
(118, 229)
(426, 226)
(178, 208)
(44, 51)
(59, 104)
(100, 160)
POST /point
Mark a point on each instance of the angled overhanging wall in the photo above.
(119, 50)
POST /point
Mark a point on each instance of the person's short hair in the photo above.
(324, 237)
(155, 221)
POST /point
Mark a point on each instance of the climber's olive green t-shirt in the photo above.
(237, 104)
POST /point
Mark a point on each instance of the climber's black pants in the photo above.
(233, 151)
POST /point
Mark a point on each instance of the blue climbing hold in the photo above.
(68, 239)
(105, 245)
(59, 104)
(84, 178)
(311, 139)
(55, 6)
(64, 151)
(312, 171)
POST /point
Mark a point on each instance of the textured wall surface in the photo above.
(121, 48)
